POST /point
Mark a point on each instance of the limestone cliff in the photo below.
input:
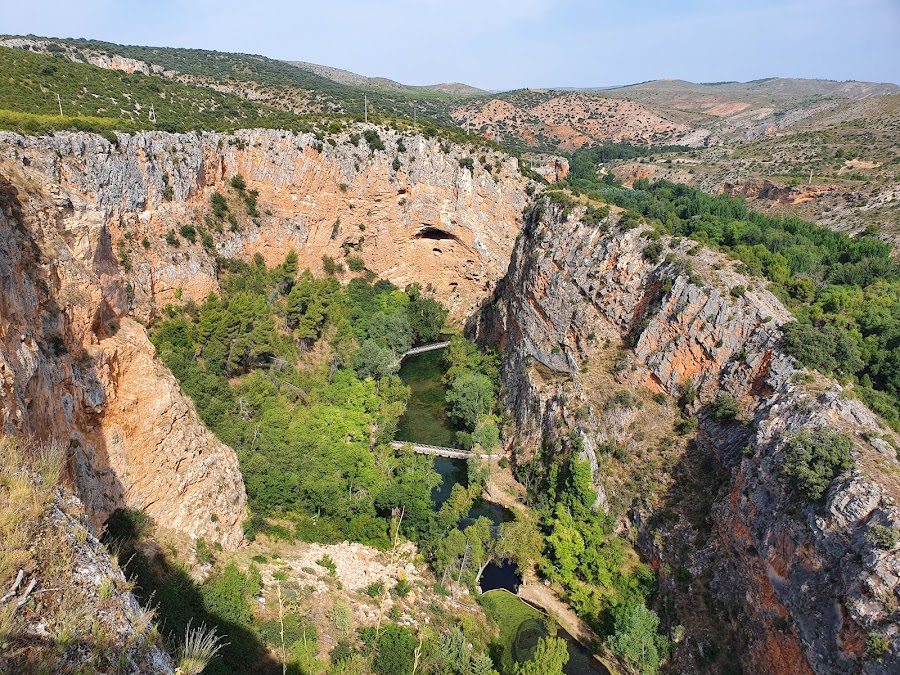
(94, 234)
(419, 209)
(75, 369)
(799, 583)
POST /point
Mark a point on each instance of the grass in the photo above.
(513, 617)
(46, 538)
(201, 645)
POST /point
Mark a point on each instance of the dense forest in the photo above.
(299, 375)
(604, 580)
(844, 291)
(313, 433)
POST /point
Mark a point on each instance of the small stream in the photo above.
(426, 422)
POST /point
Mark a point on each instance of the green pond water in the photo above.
(425, 421)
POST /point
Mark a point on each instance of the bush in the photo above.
(328, 265)
(402, 587)
(327, 562)
(355, 263)
(172, 239)
(724, 409)
(876, 645)
(238, 182)
(201, 550)
(375, 589)
(373, 139)
(882, 537)
(812, 460)
(652, 251)
(738, 291)
(189, 233)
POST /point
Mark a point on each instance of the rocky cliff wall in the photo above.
(413, 211)
(802, 587)
(76, 369)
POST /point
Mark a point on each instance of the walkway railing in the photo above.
(425, 348)
(453, 453)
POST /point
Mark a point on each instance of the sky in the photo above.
(508, 44)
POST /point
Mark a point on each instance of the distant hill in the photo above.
(352, 79)
(246, 89)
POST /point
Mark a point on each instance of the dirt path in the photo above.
(502, 488)
(537, 594)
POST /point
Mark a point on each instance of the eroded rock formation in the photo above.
(801, 585)
(76, 369)
(414, 211)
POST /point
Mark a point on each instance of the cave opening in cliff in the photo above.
(435, 234)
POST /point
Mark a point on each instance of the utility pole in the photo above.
(59, 102)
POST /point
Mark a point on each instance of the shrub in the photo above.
(219, 205)
(882, 537)
(201, 550)
(686, 425)
(652, 251)
(876, 645)
(238, 182)
(724, 409)
(467, 163)
(328, 265)
(373, 139)
(189, 233)
(172, 239)
(355, 263)
(738, 291)
(812, 460)
(375, 589)
(327, 562)
(402, 587)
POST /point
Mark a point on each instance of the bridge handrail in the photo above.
(425, 348)
(423, 448)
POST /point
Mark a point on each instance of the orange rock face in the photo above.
(75, 369)
(413, 212)
(88, 240)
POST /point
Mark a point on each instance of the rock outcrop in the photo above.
(97, 234)
(802, 584)
(75, 369)
(418, 210)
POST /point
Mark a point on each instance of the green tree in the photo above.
(487, 435)
(520, 541)
(635, 639)
(724, 409)
(812, 460)
(482, 545)
(469, 396)
(373, 360)
(394, 654)
(549, 658)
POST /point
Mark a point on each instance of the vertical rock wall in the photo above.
(803, 584)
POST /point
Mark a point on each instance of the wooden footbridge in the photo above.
(437, 450)
(425, 348)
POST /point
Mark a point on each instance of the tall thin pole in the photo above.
(59, 102)
(366, 108)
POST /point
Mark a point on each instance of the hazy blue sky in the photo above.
(503, 44)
